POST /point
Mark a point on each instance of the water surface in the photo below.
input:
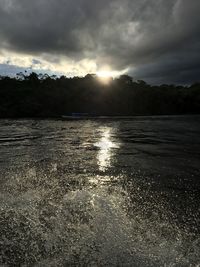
(100, 193)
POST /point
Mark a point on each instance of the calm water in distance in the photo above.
(100, 193)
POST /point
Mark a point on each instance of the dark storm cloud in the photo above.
(48, 25)
(157, 40)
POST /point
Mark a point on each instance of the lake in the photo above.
(100, 192)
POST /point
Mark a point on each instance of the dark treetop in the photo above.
(43, 96)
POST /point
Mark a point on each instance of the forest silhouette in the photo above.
(41, 95)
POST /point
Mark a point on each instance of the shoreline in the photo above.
(109, 117)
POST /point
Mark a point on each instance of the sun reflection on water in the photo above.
(105, 145)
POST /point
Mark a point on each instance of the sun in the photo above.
(105, 76)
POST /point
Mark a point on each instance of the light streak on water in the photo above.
(107, 148)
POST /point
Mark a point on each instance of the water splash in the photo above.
(78, 209)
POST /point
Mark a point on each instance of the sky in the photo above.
(153, 40)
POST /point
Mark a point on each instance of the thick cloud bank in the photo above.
(155, 40)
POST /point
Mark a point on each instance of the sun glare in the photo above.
(105, 76)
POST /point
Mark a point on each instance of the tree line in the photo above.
(41, 95)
